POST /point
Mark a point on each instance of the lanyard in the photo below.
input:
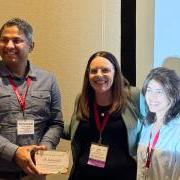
(151, 149)
(100, 126)
(21, 98)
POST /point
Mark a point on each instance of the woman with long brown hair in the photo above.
(104, 128)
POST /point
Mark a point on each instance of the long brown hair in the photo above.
(120, 88)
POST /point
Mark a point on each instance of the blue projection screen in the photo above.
(167, 30)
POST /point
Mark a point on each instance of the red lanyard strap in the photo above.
(21, 98)
(151, 149)
(100, 126)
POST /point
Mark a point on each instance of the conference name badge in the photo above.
(25, 127)
(98, 155)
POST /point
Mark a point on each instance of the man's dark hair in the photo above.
(23, 26)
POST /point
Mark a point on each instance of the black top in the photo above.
(118, 162)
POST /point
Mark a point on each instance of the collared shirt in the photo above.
(43, 105)
(165, 162)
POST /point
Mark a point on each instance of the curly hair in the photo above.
(170, 82)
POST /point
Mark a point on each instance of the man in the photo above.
(30, 104)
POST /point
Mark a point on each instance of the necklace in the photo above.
(103, 110)
(102, 114)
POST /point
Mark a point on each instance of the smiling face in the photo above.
(156, 98)
(14, 46)
(101, 75)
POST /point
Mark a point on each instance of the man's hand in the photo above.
(24, 160)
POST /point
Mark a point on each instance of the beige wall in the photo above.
(144, 38)
(66, 33)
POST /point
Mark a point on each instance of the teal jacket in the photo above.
(131, 117)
